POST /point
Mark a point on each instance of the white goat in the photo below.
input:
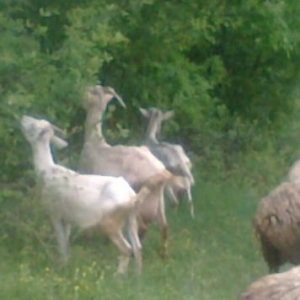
(136, 164)
(82, 200)
(173, 156)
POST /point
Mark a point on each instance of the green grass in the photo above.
(213, 257)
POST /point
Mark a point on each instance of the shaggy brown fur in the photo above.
(283, 286)
(277, 225)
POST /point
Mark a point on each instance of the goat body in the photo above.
(136, 164)
(74, 198)
(277, 225)
(82, 200)
(283, 286)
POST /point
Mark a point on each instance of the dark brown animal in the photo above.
(283, 286)
(277, 225)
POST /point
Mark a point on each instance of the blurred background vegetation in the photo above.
(229, 71)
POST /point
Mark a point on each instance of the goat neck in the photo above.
(42, 157)
(152, 129)
(93, 126)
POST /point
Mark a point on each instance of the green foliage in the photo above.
(44, 83)
(258, 51)
(229, 72)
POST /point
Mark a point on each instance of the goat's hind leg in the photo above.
(125, 249)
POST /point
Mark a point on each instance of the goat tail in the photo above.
(141, 195)
(161, 178)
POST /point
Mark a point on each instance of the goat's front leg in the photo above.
(62, 233)
(162, 221)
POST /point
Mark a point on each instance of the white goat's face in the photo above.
(98, 97)
(36, 130)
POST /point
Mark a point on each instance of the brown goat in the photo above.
(277, 225)
(283, 286)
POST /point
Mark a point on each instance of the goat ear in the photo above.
(144, 112)
(167, 115)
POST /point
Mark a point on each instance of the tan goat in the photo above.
(136, 164)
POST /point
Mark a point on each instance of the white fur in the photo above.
(82, 200)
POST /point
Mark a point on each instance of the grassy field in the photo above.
(213, 257)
